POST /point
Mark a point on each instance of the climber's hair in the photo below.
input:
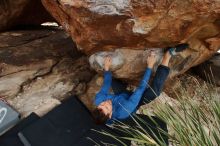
(99, 117)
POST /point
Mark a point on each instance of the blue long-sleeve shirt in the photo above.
(122, 104)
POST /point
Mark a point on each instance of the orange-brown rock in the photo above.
(22, 12)
(133, 26)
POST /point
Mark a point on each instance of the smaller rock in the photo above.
(36, 81)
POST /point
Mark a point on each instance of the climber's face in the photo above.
(106, 107)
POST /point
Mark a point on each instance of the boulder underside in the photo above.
(131, 27)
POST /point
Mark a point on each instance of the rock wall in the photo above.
(209, 70)
(133, 26)
(38, 68)
(22, 12)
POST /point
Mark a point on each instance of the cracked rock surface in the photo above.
(134, 26)
(38, 68)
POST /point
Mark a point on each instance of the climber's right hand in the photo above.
(107, 63)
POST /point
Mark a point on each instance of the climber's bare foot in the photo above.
(166, 58)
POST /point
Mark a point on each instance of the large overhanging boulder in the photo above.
(132, 27)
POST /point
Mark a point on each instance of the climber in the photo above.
(122, 103)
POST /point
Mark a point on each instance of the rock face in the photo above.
(210, 70)
(127, 64)
(22, 12)
(38, 68)
(133, 26)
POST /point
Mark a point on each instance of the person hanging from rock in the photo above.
(123, 103)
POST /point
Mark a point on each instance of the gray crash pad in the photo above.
(8, 117)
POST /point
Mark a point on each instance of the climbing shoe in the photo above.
(178, 48)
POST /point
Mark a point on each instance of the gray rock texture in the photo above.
(38, 68)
